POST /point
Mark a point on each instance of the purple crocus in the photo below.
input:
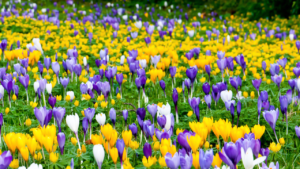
(147, 150)
(125, 116)
(5, 159)
(297, 45)
(274, 69)
(265, 152)
(163, 86)
(256, 84)
(172, 162)
(161, 120)
(231, 154)
(120, 145)
(191, 73)
(152, 109)
(205, 159)
(112, 116)
(133, 128)
(43, 115)
(222, 64)
(208, 70)
(105, 89)
(61, 139)
(59, 113)
(206, 88)
(85, 126)
(277, 80)
(175, 100)
(271, 117)
(52, 101)
(194, 103)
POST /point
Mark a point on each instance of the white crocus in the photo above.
(2, 90)
(298, 83)
(44, 10)
(122, 59)
(199, 14)
(239, 95)
(228, 38)
(247, 159)
(137, 6)
(134, 17)
(49, 88)
(291, 37)
(226, 95)
(37, 44)
(73, 123)
(191, 33)
(179, 21)
(89, 85)
(71, 94)
(84, 61)
(138, 24)
(101, 118)
(147, 8)
(160, 23)
(164, 110)
(143, 63)
(36, 85)
(125, 17)
(166, 3)
(172, 6)
(99, 154)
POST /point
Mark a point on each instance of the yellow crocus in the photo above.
(48, 144)
(113, 138)
(107, 131)
(258, 131)
(127, 136)
(236, 133)
(97, 139)
(216, 161)
(14, 163)
(53, 157)
(148, 162)
(114, 154)
(275, 147)
(134, 145)
(194, 142)
(25, 153)
(32, 145)
(162, 161)
(196, 160)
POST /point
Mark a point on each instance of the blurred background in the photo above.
(253, 9)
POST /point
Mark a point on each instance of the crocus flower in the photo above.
(120, 145)
(226, 95)
(271, 117)
(133, 128)
(85, 126)
(73, 123)
(205, 159)
(208, 70)
(5, 159)
(152, 109)
(274, 69)
(59, 113)
(186, 160)
(264, 152)
(256, 84)
(271, 166)
(163, 86)
(105, 89)
(222, 65)
(101, 118)
(247, 159)
(194, 103)
(43, 115)
(61, 139)
(161, 120)
(172, 162)
(231, 154)
(112, 116)
(277, 80)
(175, 99)
(191, 73)
(99, 153)
(206, 88)
(147, 150)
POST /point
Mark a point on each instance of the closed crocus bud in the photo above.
(59, 113)
(122, 60)
(125, 116)
(206, 88)
(36, 85)
(49, 88)
(99, 154)
(161, 120)
(133, 129)
(61, 139)
(112, 116)
(101, 119)
(85, 126)
(52, 101)
(73, 122)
